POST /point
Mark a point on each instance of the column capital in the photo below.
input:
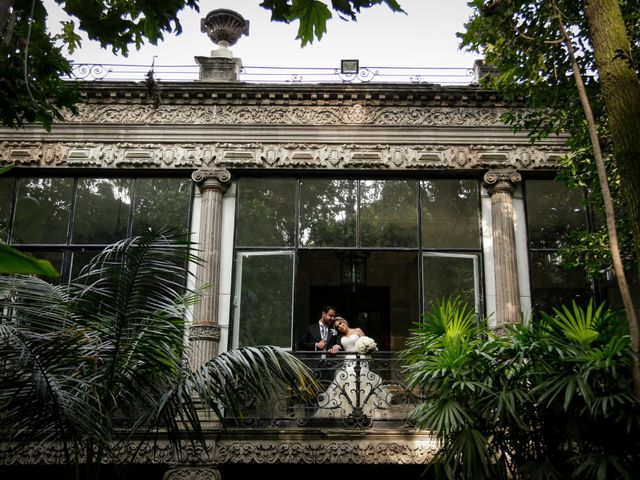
(501, 181)
(210, 179)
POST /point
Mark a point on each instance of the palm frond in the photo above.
(225, 382)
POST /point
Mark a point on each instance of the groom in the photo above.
(320, 335)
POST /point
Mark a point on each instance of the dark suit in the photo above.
(312, 336)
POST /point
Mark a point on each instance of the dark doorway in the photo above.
(385, 306)
(365, 307)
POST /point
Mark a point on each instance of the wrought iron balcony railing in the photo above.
(260, 74)
(357, 391)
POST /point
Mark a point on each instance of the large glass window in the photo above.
(328, 210)
(265, 283)
(450, 213)
(361, 246)
(389, 213)
(68, 219)
(553, 211)
(266, 207)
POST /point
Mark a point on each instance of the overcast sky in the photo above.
(425, 37)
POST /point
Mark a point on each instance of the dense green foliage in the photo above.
(102, 360)
(521, 40)
(551, 400)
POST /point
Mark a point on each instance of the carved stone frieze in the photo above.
(396, 450)
(192, 473)
(279, 156)
(327, 452)
(287, 115)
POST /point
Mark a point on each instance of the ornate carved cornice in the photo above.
(214, 93)
(356, 114)
(279, 156)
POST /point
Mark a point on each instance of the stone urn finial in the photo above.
(224, 27)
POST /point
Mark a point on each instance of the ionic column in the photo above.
(501, 184)
(204, 334)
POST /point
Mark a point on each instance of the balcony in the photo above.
(357, 392)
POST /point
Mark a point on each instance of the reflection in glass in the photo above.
(102, 210)
(450, 275)
(161, 202)
(328, 213)
(388, 213)
(554, 285)
(80, 259)
(266, 299)
(6, 201)
(553, 211)
(42, 210)
(266, 212)
(450, 213)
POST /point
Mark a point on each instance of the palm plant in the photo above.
(102, 360)
(550, 400)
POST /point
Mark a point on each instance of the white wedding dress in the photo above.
(356, 390)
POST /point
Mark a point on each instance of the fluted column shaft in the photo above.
(204, 334)
(501, 184)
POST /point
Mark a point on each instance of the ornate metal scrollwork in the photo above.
(364, 75)
(87, 71)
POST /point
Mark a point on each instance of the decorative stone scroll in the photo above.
(279, 156)
(287, 115)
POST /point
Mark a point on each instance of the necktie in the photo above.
(324, 332)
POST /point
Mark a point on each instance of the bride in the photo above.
(356, 390)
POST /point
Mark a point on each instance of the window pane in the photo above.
(388, 213)
(161, 202)
(80, 259)
(56, 259)
(450, 214)
(6, 200)
(42, 210)
(266, 212)
(450, 275)
(553, 210)
(553, 285)
(328, 213)
(266, 295)
(102, 210)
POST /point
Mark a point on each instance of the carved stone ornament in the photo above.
(287, 115)
(501, 180)
(192, 473)
(216, 157)
(204, 332)
(327, 452)
(317, 451)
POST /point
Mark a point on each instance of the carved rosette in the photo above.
(501, 184)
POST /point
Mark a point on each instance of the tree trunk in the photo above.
(621, 92)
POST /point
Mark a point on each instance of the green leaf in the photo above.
(313, 16)
(13, 261)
